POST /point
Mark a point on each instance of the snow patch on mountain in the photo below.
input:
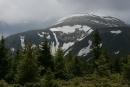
(71, 16)
(90, 31)
(111, 18)
(105, 23)
(86, 50)
(85, 28)
(53, 46)
(101, 45)
(43, 33)
(12, 49)
(40, 35)
(79, 39)
(48, 37)
(33, 46)
(67, 45)
(22, 39)
(116, 32)
(71, 29)
(67, 52)
(117, 52)
(84, 36)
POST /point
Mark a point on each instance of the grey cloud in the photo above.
(42, 10)
(24, 11)
(116, 8)
(28, 10)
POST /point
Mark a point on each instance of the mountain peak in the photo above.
(90, 20)
(72, 16)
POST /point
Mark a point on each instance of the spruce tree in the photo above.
(3, 59)
(116, 65)
(103, 64)
(13, 63)
(45, 58)
(96, 44)
(59, 64)
(96, 49)
(27, 70)
(69, 62)
(77, 66)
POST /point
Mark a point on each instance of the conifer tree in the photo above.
(3, 59)
(103, 64)
(69, 62)
(116, 65)
(96, 44)
(13, 63)
(96, 49)
(59, 64)
(27, 70)
(45, 58)
(77, 66)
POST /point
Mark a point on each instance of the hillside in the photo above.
(74, 33)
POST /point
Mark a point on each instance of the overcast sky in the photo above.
(17, 11)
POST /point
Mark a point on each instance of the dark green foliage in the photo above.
(13, 63)
(36, 67)
(69, 62)
(127, 69)
(96, 49)
(27, 70)
(117, 65)
(59, 59)
(59, 64)
(45, 58)
(48, 80)
(77, 66)
(3, 59)
(103, 64)
(96, 44)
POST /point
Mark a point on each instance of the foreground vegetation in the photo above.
(36, 67)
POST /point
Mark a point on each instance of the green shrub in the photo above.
(3, 84)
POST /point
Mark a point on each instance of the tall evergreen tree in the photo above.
(59, 64)
(96, 48)
(96, 44)
(3, 59)
(103, 64)
(45, 58)
(69, 62)
(116, 65)
(13, 63)
(27, 70)
(77, 66)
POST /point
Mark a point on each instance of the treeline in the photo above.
(36, 67)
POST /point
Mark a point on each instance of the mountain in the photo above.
(74, 33)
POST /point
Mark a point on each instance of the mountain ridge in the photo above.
(75, 34)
